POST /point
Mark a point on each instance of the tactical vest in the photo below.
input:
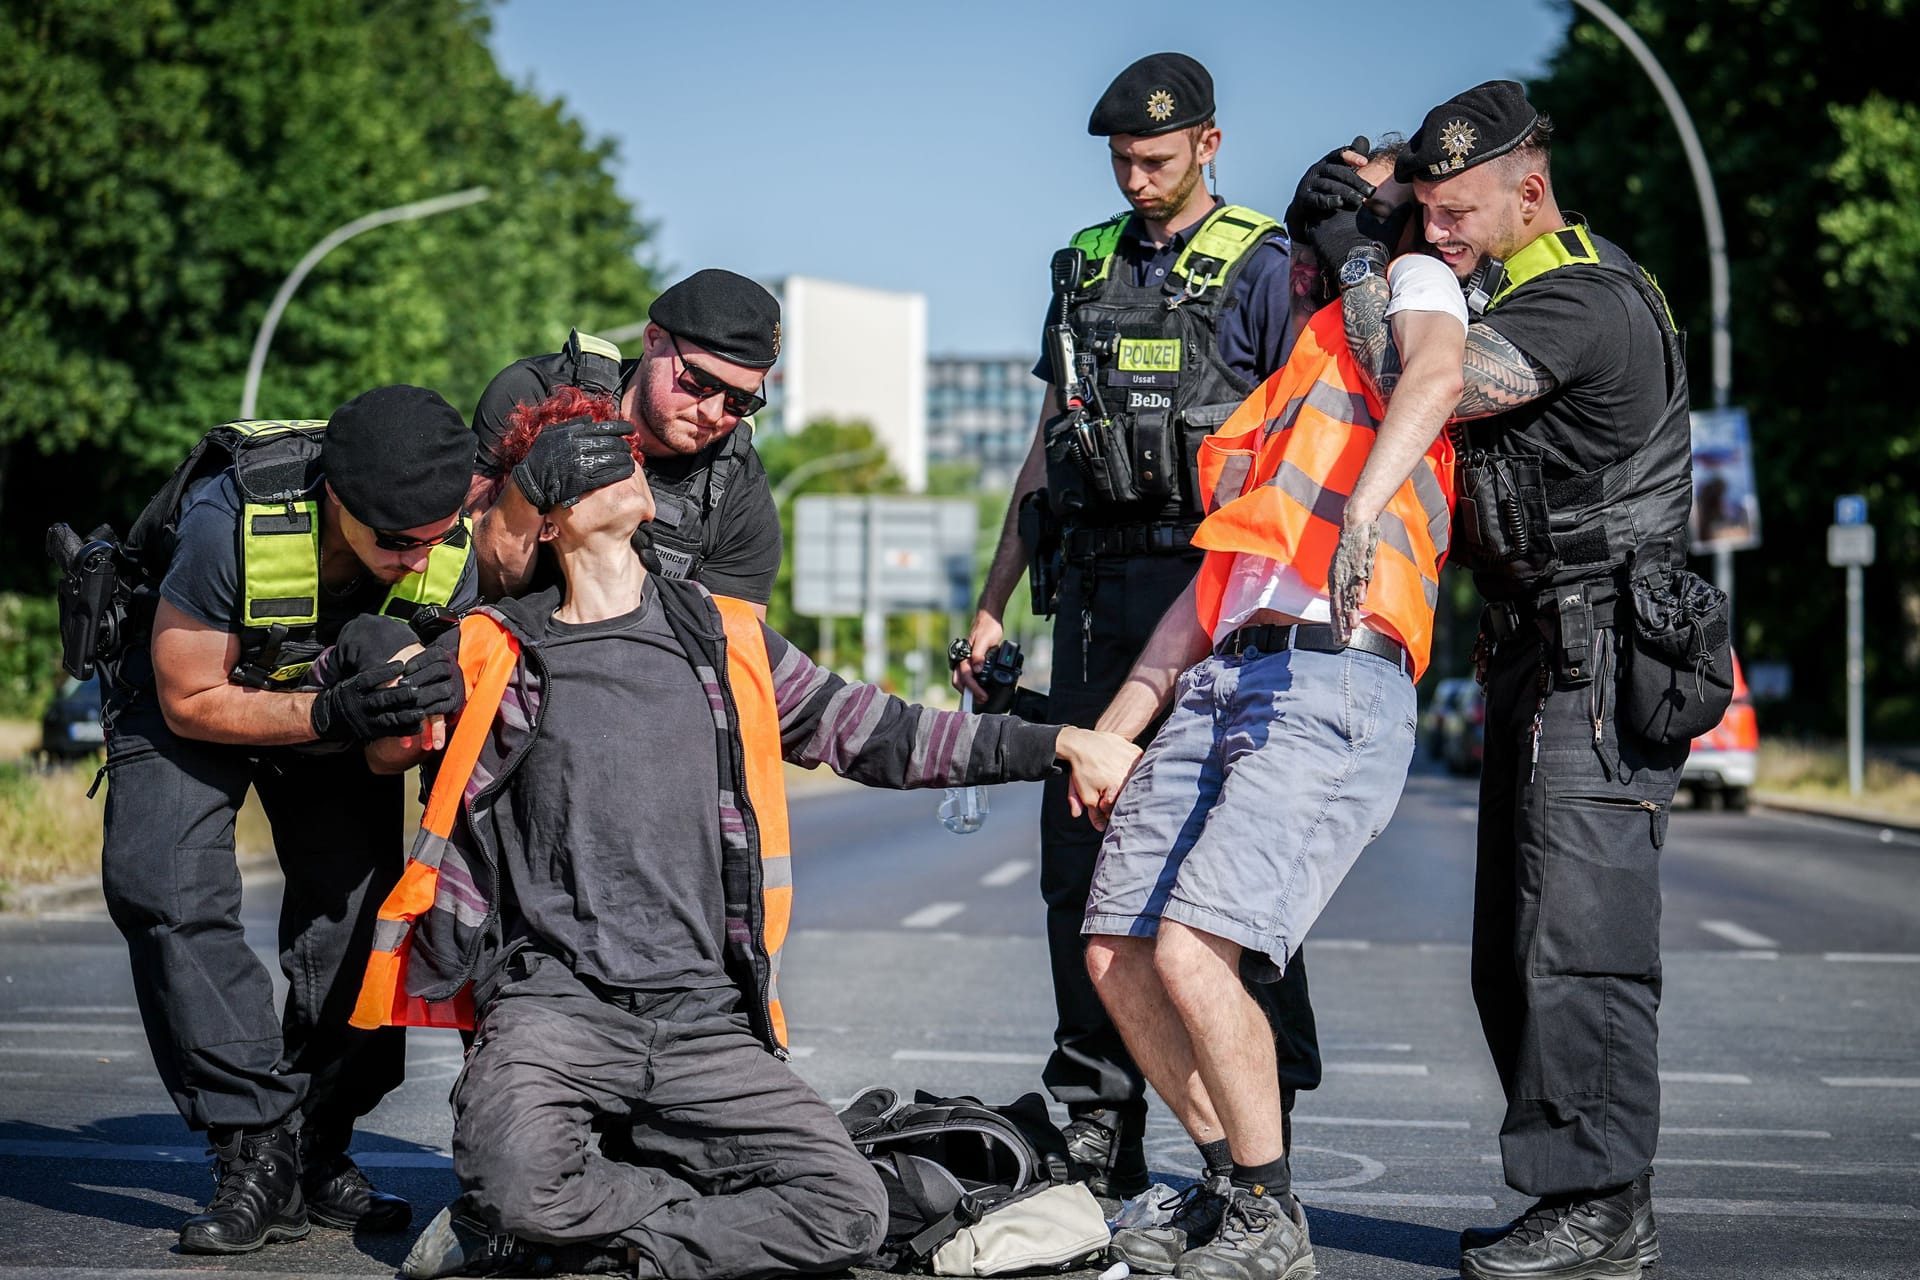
(678, 539)
(1524, 518)
(276, 468)
(1158, 360)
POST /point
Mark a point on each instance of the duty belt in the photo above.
(1129, 540)
(1502, 618)
(1314, 636)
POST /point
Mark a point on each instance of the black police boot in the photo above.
(256, 1198)
(337, 1192)
(1646, 1232)
(1106, 1149)
(1564, 1238)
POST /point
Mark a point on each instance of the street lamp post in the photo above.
(333, 239)
(1709, 212)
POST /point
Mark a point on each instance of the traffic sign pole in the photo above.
(1850, 545)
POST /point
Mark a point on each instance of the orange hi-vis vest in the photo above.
(1276, 476)
(438, 888)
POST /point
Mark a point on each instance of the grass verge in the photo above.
(1818, 771)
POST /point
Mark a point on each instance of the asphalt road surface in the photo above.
(1790, 1047)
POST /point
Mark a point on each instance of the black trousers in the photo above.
(1113, 605)
(173, 888)
(1566, 922)
(735, 1167)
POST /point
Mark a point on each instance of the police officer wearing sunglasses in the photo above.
(704, 357)
(223, 695)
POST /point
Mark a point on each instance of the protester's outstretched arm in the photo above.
(1177, 643)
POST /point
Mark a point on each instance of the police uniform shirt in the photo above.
(1591, 330)
(1251, 326)
(743, 537)
(203, 578)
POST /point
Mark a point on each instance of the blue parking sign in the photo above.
(1850, 508)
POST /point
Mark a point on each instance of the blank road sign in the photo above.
(896, 555)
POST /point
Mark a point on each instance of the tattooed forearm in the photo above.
(1364, 306)
(1499, 376)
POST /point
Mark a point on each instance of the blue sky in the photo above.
(943, 147)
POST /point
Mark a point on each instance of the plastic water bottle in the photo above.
(964, 809)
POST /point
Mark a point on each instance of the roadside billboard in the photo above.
(1726, 508)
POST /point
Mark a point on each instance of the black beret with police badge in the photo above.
(1484, 123)
(724, 313)
(1158, 94)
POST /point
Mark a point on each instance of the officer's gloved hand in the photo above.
(434, 675)
(359, 710)
(368, 641)
(1335, 236)
(1330, 185)
(571, 459)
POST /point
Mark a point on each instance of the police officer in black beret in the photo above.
(1572, 514)
(704, 357)
(1182, 305)
(223, 699)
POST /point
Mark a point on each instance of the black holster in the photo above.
(93, 600)
(1042, 534)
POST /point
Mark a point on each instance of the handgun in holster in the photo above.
(1046, 551)
(92, 597)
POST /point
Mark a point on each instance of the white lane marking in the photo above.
(933, 915)
(1361, 1046)
(35, 1075)
(104, 1028)
(164, 1154)
(1738, 934)
(1872, 1082)
(1754, 955)
(103, 1054)
(1006, 873)
(970, 1055)
(1339, 944)
(801, 1051)
(1398, 1200)
(1872, 957)
(78, 1008)
(1380, 1122)
(1784, 1209)
(1678, 1132)
(1704, 1077)
(1374, 1068)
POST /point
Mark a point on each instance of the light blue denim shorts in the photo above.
(1271, 774)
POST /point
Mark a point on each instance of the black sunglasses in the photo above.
(701, 385)
(455, 535)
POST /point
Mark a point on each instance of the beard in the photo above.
(1164, 208)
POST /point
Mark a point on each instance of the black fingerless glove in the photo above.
(359, 710)
(1331, 184)
(369, 641)
(573, 458)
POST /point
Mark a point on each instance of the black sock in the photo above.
(1273, 1177)
(1215, 1156)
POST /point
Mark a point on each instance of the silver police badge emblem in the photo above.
(1160, 106)
(1457, 139)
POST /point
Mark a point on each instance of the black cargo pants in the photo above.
(1123, 599)
(1566, 922)
(173, 887)
(736, 1167)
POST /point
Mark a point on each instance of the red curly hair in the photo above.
(527, 421)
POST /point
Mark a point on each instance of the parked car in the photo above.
(1455, 725)
(71, 726)
(1725, 759)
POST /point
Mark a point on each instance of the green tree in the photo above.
(167, 162)
(1807, 112)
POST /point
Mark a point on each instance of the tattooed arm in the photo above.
(1499, 376)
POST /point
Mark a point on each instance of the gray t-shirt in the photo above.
(620, 871)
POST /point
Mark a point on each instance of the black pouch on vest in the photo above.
(1679, 671)
(1501, 515)
(1114, 474)
(1069, 482)
(1155, 459)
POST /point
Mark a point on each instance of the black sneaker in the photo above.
(1107, 1150)
(457, 1244)
(1646, 1232)
(1195, 1221)
(1562, 1238)
(256, 1199)
(1261, 1237)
